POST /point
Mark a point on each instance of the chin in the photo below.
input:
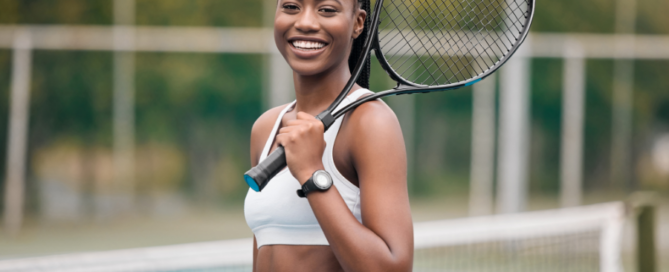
(306, 68)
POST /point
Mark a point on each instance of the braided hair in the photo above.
(356, 49)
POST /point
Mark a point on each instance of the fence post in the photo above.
(482, 169)
(17, 140)
(514, 132)
(644, 205)
(623, 94)
(124, 107)
(646, 238)
(573, 102)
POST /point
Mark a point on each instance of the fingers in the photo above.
(312, 122)
(285, 139)
(304, 126)
(304, 119)
(296, 122)
(305, 116)
(284, 130)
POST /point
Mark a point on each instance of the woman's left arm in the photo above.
(384, 242)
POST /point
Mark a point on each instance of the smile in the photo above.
(307, 45)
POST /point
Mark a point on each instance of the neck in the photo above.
(314, 93)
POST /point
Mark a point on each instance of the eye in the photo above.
(328, 10)
(290, 8)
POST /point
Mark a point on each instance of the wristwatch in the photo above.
(319, 181)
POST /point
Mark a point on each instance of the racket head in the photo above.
(434, 45)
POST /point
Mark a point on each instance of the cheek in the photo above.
(342, 35)
(341, 28)
(281, 26)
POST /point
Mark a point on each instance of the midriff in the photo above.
(296, 258)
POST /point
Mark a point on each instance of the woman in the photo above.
(363, 221)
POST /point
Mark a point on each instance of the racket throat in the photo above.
(327, 119)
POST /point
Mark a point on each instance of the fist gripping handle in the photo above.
(258, 177)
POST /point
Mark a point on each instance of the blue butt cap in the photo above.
(252, 183)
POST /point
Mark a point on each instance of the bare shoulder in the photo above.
(374, 134)
(261, 130)
(373, 119)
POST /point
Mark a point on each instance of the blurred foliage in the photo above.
(442, 142)
(56, 12)
(198, 101)
(652, 17)
(148, 12)
(597, 127)
(69, 102)
(194, 112)
(597, 16)
(592, 16)
(71, 96)
(545, 125)
(246, 13)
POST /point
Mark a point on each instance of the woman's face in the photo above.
(316, 35)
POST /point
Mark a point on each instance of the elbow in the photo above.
(402, 263)
(399, 266)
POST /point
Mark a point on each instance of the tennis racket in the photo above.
(427, 46)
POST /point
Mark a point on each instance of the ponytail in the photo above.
(356, 49)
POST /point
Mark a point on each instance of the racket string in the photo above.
(443, 42)
(408, 40)
(433, 45)
(427, 49)
(419, 40)
(458, 50)
(488, 45)
(471, 42)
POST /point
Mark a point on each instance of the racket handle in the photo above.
(258, 177)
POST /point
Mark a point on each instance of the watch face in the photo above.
(322, 180)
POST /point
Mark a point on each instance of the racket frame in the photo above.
(407, 87)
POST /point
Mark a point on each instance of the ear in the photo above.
(359, 26)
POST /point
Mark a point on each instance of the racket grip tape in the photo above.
(258, 177)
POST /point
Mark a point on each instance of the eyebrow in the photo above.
(322, 1)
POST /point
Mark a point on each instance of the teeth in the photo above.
(308, 45)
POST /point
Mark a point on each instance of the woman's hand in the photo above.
(304, 144)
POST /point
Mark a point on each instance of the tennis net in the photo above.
(584, 238)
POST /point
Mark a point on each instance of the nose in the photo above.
(307, 21)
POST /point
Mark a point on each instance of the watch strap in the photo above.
(307, 188)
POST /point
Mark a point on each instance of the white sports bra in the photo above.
(276, 215)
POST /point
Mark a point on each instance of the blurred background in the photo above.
(126, 123)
